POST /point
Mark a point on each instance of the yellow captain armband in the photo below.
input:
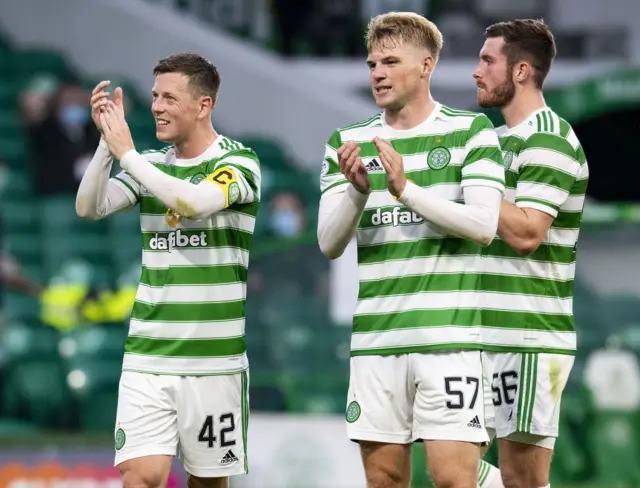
(225, 178)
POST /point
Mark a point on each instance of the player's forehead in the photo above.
(493, 47)
(388, 47)
(171, 83)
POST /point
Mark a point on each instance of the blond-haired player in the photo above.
(420, 186)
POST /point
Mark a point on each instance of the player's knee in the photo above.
(197, 482)
(512, 478)
(449, 477)
(137, 478)
(386, 476)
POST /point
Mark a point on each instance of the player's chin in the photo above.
(164, 135)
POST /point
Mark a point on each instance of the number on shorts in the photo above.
(506, 389)
(459, 394)
(207, 433)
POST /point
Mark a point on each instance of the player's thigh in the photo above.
(449, 414)
(525, 462)
(528, 390)
(213, 417)
(146, 431)
(380, 400)
(386, 465)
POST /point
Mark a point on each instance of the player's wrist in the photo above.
(407, 193)
(128, 158)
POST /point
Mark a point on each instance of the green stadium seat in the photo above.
(10, 124)
(14, 152)
(93, 341)
(270, 153)
(9, 92)
(21, 342)
(19, 215)
(94, 385)
(39, 386)
(19, 189)
(18, 307)
(15, 428)
(30, 61)
(24, 246)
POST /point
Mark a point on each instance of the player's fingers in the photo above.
(100, 87)
(104, 123)
(99, 97)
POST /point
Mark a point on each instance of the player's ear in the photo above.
(522, 71)
(428, 64)
(206, 106)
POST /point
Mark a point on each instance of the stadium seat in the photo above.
(19, 188)
(93, 341)
(30, 61)
(18, 307)
(14, 152)
(10, 124)
(39, 386)
(94, 385)
(19, 215)
(9, 91)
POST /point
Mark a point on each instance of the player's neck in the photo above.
(412, 114)
(196, 144)
(522, 106)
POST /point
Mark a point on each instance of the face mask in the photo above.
(74, 114)
(285, 223)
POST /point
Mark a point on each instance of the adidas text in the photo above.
(228, 458)
(176, 238)
(475, 423)
(395, 217)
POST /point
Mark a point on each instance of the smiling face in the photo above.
(494, 76)
(397, 72)
(176, 110)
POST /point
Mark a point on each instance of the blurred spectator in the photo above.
(37, 97)
(286, 216)
(337, 27)
(63, 142)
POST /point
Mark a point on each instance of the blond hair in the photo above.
(404, 27)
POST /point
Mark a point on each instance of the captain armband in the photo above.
(225, 179)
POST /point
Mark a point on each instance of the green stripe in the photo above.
(484, 472)
(420, 248)
(489, 153)
(244, 405)
(150, 205)
(335, 141)
(528, 349)
(534, 386)
(539, 122)
(362, 123)
(188, 312)
(552, 126)
(551, 142)
(204, 348)
(213, 238)
(539, 201)
(524, 378)
(451, 282)
(194, 275)
(543, 175)
(416, 348)
(419, 144)
(565, 128)
(567, 220)
(135, 193)
(462, 317)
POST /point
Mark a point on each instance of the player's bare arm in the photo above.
(352, 166)
(523, 228)
(393, 165)
(189, 200)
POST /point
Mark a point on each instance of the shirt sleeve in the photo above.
(483, 165)
(548, 170)
(129, 185)
(331, 179)
(238, 175)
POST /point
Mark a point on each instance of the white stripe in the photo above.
(243, 162)
(465, 264)
(562, 237)
(187, 330)
(184, 366)
(195, 257)
(191, 293)
(133, 197)
(400, 233)
(552, 194)
(464, 300)
(452, 335)
(539, 206)
(225, 219)
(484, 167)
(574, 203)
(549, 158)
(448, 191)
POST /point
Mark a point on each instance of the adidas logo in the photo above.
(228, 458)
(475, 423)
(373, 165)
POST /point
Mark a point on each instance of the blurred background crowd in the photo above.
(292, 72)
